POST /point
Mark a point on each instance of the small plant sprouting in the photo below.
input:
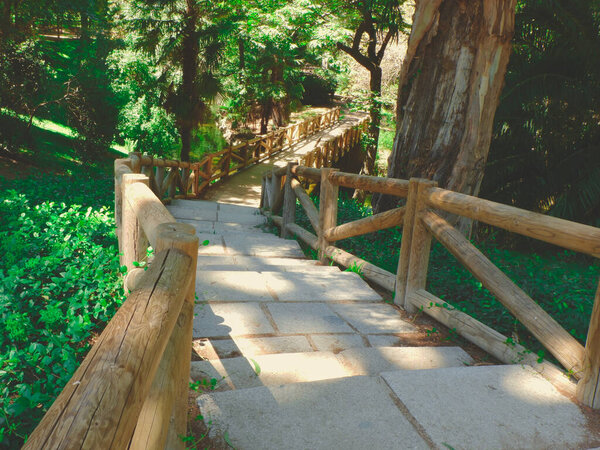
(431, 332)
(257, 369)
(205, 384)
(356, 268)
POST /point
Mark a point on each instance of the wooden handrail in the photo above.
(564, 233)
(420, 225)
(552, 336)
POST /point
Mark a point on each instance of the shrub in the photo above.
(59, 285)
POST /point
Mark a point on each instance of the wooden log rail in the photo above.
(330, 151)
(131, 389)
(170, 179)
(421, 223)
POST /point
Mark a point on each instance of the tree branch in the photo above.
(358, 56)
(386, 40)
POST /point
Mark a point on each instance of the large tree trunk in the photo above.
(449, 89)
(368, 167)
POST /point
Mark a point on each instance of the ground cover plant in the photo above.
(562, 282)
(59, 285)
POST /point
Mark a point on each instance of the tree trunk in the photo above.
(374, 123)
(188, 116)
(449, 88)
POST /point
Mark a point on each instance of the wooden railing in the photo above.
(422, 219)
(177, 179)
(131, 389)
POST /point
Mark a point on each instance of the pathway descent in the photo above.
(243, 188)
(308, 357)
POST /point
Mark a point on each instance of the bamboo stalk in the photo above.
(559, 342)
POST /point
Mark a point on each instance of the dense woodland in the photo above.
(515, 119)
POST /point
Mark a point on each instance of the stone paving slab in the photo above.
(384, 340)
(375, 360)
(231, 348)
(248, 229)
(241, 218)
(183, 212)
(495, 407)
(229, 208)
(320, 287)
(262, 245)
(194, 204)
(210, 244)
(336, 342)
(270, 370)
(349, 413)
(376, 318)
(201, 226)
(306, 318)
(250, 261)
(230, 319)
(262, 268)
(231, 286)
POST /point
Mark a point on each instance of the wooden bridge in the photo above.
(297, 354)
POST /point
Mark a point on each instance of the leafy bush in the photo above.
(562, 282)
(59, 285)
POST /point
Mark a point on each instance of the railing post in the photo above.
(133, 240)
(274, 186)
(416, 243)
(328, 207)
(588, 388)
(289, 200)
(163, 417)
(121, 168)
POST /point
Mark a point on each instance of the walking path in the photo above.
(304, 356)
(244, 188)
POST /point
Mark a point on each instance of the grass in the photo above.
(562, 282)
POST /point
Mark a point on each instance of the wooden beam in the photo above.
(328, 207)
(304, 235)
(559, 342)
(309, 207)
(571, 235)
(148, 209)
(381, 221)
(391, 186)
(289, 202)
(488, 339)
(133, 240)
(588, 389)
(308, 172)
(99, 406)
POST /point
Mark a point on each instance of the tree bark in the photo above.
(449, 88)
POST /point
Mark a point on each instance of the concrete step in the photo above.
(249, 262)
(246, 286)
(285, 368)
(487, 407)
(263, 245)
(265, 268)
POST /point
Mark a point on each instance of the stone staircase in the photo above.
(305, 356)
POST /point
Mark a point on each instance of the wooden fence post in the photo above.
(328, 206)
(588, 388)
(414, 250)
(164, 414)
(133, 240)
(289, 200)
(121, 168)
(274, 186)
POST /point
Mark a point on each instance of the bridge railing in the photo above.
(131, 389)
(422, 219)
(179, 179)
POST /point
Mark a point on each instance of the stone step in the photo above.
(247, 286)
(266, 268)
(263, 245)
(213, 227)
(285, 368)
(206, 261)
(495, 407)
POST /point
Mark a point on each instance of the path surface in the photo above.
(244, 188)
(308, 357)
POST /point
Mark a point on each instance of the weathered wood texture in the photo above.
(445, 111)
(166, 403)
(588, 388)
(100, 405)
(309, 207)
(328, 206)
(381, 221)
(571, 235)
(133, 240)
(559, 342)
(289, 201)
(392, 186)
(307, 172)
(149, 210)
(414, 248)
(487, 338)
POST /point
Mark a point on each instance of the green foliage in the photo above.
(59, 285)
(562, 282)
(544, 155)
